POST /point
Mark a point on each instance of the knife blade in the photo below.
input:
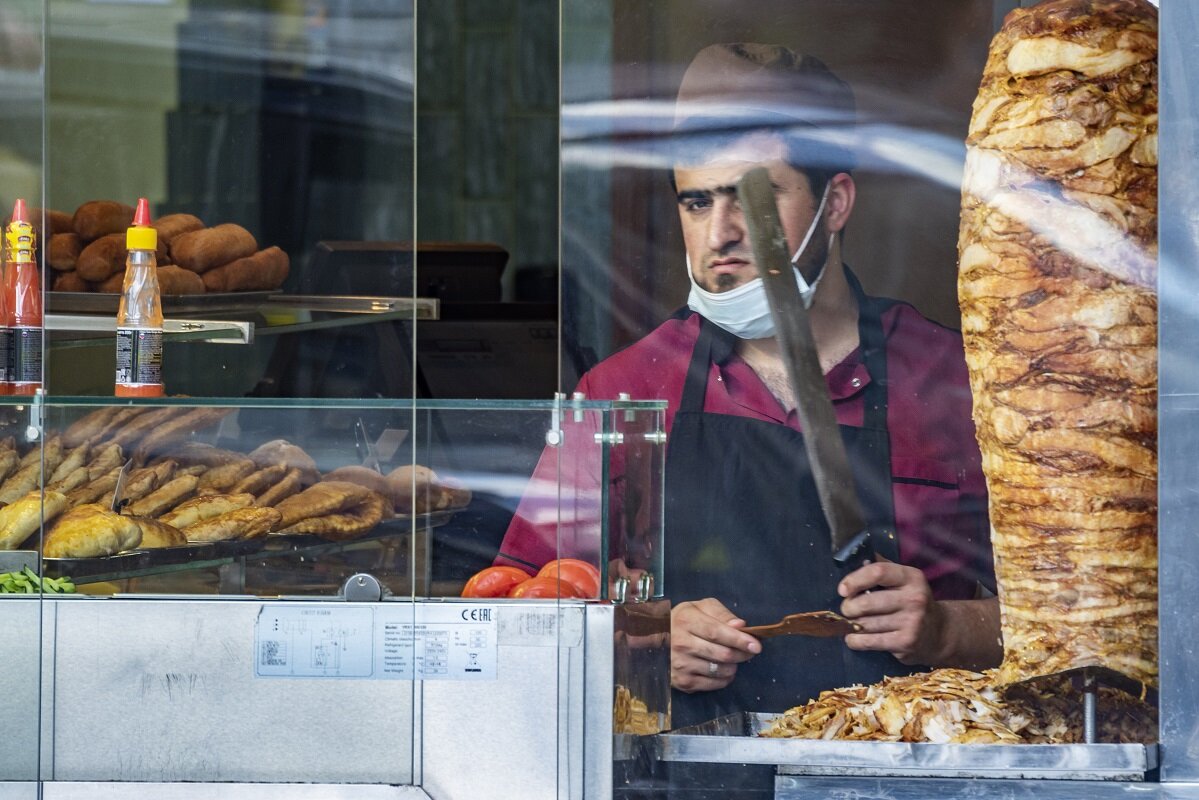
(848, 534)
(119, 489)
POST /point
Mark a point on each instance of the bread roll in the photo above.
(62, 251)
(1057, 279)
(263, 271)
(70, 282)
(102, 258)
(173, 280)
(204, 249)
(170, 226)
(100, 218)
(56, 222)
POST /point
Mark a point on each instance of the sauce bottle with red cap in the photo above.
(139, 317)
(22, 307)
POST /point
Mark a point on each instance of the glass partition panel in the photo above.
(666, 104)
(22, 159)
(285, 130)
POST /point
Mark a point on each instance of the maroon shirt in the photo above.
(938, 487)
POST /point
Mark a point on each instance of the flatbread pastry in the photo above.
(88, 531)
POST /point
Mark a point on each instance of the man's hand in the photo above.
(898, 614)
(706, 646)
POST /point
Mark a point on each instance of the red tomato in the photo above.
(580, 573)
(494, 582)
(546, 587)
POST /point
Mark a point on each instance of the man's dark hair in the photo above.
(731, 90)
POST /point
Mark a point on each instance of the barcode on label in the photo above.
(540, 624)
(274, 654)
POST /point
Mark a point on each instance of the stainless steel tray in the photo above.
(127, 561)
(734, 740)
(396, 526)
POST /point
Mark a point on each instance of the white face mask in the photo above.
(745, 311)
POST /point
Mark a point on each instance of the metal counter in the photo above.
(125, 714)
(734, 740)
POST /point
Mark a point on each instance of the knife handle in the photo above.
(856, 552)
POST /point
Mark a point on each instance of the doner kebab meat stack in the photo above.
(1057, 283)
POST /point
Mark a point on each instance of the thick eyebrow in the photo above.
(706, 194)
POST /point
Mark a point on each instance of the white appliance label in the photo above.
(301, 641)
(450, 642)
(455, 641)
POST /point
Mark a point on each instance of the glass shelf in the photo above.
(78, 320)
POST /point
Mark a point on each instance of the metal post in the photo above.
(1090, 697)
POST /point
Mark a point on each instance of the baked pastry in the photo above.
(156, 534)
(104, 459)
(221, 479)
(363, 476)
(19, 483)
(133, 431)
(281, 451)
(242, 523)
(171, 433)
(21, 519)
(95, 489)
(288, 485)
(75, 458)
(141, 482)
(8, 462)
(198, 509)
(1057, 284)
(356, 519)
(419, 490)
(165, 497)
(334, 510)
(73, 480)
(260, 480)
(88, 531)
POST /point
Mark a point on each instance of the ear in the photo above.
(841, 195)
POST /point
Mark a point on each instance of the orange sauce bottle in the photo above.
(23, 306)
(139, 318)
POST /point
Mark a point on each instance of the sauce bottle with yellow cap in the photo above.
(139, 317)
(22, 307)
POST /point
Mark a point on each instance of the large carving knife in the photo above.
(826, 451)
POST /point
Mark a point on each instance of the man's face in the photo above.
(714, 230)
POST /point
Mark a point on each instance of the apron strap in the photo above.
(874, 354)
(695, 387)
(874, 357)
(874, 417)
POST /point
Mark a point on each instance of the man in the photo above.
(746, 541)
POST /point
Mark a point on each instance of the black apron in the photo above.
(744, 525)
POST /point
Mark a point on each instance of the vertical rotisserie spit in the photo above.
(1057, 283)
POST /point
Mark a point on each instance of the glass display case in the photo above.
(413, 513)
(395, 386)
